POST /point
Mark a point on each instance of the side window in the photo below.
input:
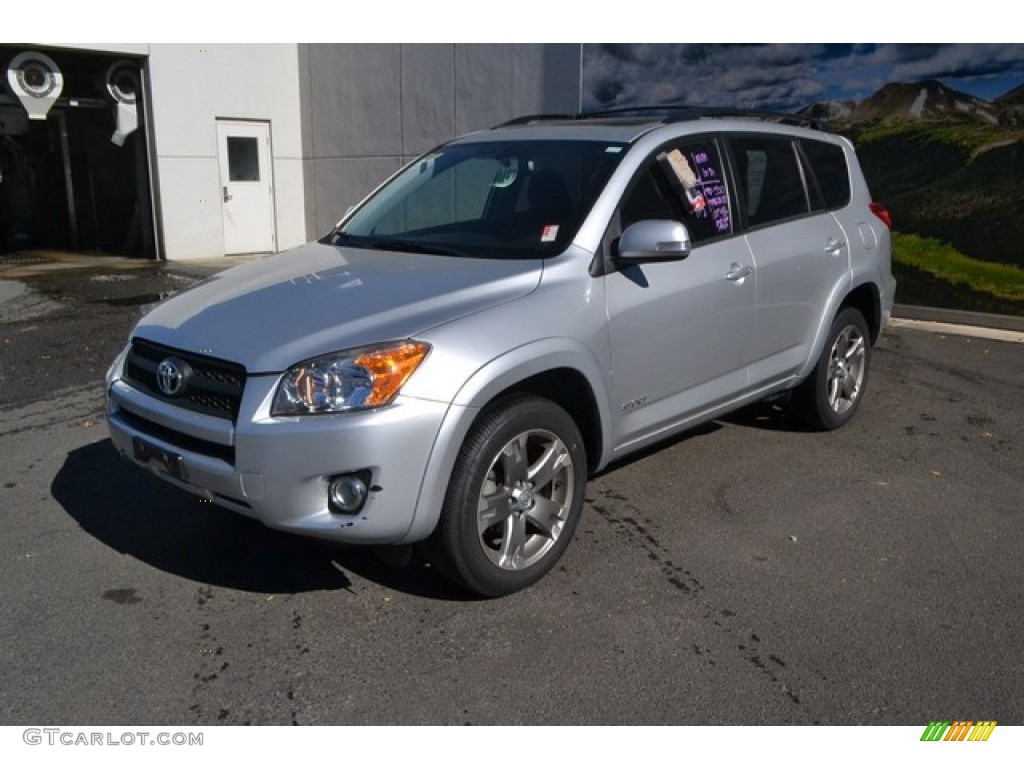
(828, 165)
(650, 198)
(770, 178)
(684, 183)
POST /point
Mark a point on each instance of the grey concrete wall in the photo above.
(368, 109)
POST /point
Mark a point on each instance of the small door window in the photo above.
(243, 158)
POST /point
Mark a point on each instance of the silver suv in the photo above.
(506, 315)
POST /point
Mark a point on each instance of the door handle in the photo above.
(738, 273)
(227, 195)
(833, 246)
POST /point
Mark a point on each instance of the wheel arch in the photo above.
(865, 297)
(867, 300)
(560, 370)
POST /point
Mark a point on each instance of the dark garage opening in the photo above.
(64, 184)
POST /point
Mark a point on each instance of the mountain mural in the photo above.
(948, 165)
(1013, 97)
(939, 128)
(930, 100)
(927, 101)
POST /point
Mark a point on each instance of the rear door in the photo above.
(802, 252)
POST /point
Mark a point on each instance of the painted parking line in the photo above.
(974, 331)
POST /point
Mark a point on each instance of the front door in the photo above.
(247, 190)
(680, 330)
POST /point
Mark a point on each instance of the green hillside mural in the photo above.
(939, 129)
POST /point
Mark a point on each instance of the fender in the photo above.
(873, 272)
(491, 380)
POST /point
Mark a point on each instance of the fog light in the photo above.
(347, 493)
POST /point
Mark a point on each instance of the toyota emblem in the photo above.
(170, 376)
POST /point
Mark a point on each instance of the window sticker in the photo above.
(682, 168)
(688, 179)
(549, 234)
(714, 192)
(613, 150)
(697, 182)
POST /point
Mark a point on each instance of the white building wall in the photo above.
(191, 87)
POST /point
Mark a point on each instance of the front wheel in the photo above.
(514, 499)
(830, 396)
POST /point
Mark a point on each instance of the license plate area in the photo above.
(169, 462)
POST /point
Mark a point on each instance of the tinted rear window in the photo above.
(828, 164)
(771, 184)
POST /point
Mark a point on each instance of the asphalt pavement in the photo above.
(749, 572)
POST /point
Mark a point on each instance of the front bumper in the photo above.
(277, 469)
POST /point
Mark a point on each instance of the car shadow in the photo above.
(771, 416)
(700, 430)
(139, 515)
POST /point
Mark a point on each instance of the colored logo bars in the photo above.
(961, 730)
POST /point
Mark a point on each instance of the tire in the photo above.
(514, 499)
(830, 396)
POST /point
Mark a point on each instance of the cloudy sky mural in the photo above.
(787, 76)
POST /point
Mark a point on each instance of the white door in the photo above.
(247, 190)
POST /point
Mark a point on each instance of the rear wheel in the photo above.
(832, 393)
(514, 499)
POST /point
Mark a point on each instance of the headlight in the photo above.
(361, 378)
(116, 366)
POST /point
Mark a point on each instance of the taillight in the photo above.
(879, 210)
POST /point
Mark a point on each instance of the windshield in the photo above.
(521, 199)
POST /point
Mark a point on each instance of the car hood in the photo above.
(315, 299)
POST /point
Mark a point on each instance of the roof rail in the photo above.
(527, 119)
(674, 113)
(786, 118)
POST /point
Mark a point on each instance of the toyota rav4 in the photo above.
(505, 316)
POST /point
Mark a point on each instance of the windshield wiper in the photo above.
(411, 246)
(415, 247)
(337, 237)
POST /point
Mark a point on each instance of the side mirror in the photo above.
(653, 240)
